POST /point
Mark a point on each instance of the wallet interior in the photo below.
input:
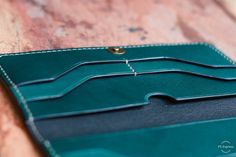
(80, 96)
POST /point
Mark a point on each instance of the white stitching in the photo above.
(30, 121)
(129, 46)
(51, 51)
(130, 67)
(220, 52)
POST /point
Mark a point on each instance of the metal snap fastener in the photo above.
(116, 50)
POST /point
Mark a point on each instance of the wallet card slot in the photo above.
(111, 93)
(164, 58)
(77, 65)
(41, 67)
(72, 80)
(200, 53)
(51, 66)
(71, 69)
(75, 78)
(149, 66)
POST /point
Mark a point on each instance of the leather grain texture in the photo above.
(90, 81)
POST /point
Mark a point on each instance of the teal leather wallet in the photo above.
(126, 101)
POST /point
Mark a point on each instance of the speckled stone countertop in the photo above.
(27, 25)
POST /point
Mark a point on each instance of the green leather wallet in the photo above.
(126, 101)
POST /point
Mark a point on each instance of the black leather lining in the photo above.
(160, 111)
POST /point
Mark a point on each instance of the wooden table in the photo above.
(27, 25)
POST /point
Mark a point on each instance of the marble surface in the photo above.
(27, 25)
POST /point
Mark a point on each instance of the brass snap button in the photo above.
(116, 50)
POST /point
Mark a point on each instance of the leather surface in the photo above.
(130, 91)
(92, 80)
(72, 59)
(67, 82)
(195, 140)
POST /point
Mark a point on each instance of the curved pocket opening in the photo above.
(75, 78)
(110, 93)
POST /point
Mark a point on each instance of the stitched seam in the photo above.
(51, 51)
(219, 52)
(130, 67)
(129, 46)
(30, 121)
(96, 48)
